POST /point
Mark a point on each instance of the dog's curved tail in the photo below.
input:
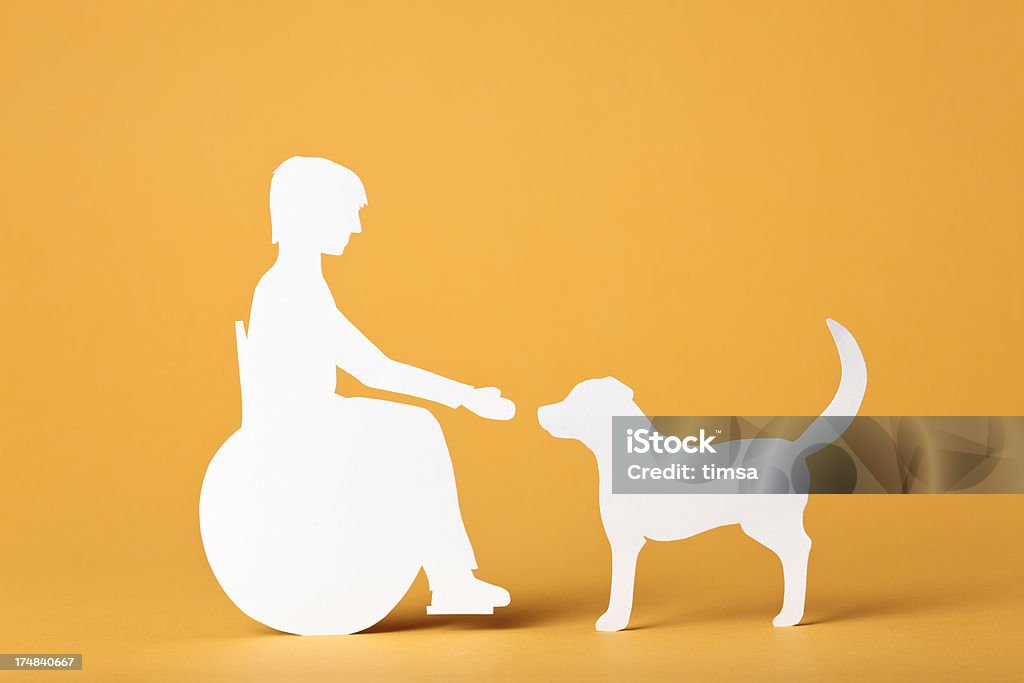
(839, 414)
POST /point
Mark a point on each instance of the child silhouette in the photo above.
(330, 491)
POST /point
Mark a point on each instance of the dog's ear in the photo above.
(619, 388)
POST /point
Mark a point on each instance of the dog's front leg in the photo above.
(620, 603)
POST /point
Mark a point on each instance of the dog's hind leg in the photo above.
(620, 603)
(787, 539)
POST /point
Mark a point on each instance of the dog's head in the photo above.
(585, 414)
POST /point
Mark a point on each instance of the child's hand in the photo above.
(489, 403)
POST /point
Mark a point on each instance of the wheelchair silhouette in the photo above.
(294, 534)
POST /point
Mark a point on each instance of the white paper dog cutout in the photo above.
(774, 520)
(317, 514)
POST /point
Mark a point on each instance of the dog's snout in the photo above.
(551, 418)
(544, 416)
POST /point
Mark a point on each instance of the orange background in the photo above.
(676, 193)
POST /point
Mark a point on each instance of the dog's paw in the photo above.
(787, 619)
(612, 622)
